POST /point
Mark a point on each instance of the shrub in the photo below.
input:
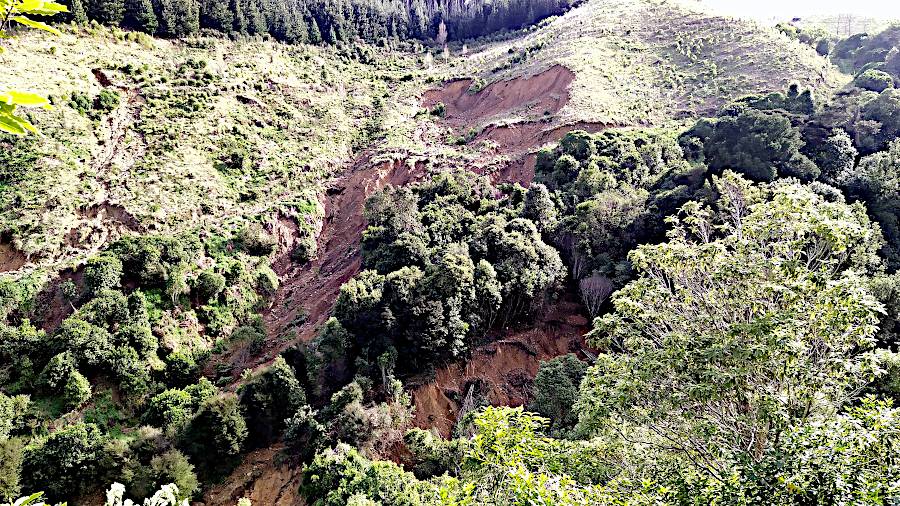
(107, 101)
(439, 110)
(555, 390)
(57, 372)
(66, 462)
(266, 281)
(253, 239)
(163, 469)
(303, 434)
(11, 454)
(76, 391)
(208, 285)
(218, 318)
(173, 408)
(215, 436)
(336, 475)
(252, 336)
(181, 368)
(102, 273)
(139, 337)
(12, 410)
(169, 410)
(81, 102)
(130, 370)
(305, 248)
(874, 80)
(432, 455)
(268, 399)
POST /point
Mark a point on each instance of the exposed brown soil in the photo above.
(308, 292)
(101, 223)
(113, 212)
(11, 259)
(53, 307)
(501, 372)
(261, 480)
(518, 142)
(544, 94)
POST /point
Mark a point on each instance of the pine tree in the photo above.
(255, 22)
(108, 12)
(315, 35)
(139, 15)
(79, 16)
(177, 18)
(218, 15)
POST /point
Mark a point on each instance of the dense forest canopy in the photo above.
(315, 21)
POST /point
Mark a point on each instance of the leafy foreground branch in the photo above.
(167, 495)
(20, 12)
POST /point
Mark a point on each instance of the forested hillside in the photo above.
(618, 252)
(316, 21)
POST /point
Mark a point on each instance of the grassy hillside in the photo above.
(649, 61)
(205, 134)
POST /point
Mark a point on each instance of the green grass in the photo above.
(649, 61)
(208, 134)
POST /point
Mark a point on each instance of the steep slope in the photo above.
(648, 61)
(201, 135)
(605, 64)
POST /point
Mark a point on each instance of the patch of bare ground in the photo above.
(308, 291)
(261, 479)
(100, 224)
(542, 94)
(11, 259)
(501, 371)
(519, 142)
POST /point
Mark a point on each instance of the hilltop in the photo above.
(649, 61)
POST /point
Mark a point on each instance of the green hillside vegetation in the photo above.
(204, 135)
(736, 248)
(732, 360)
(649, 61)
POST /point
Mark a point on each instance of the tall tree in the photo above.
(139, 15)
(750, 320)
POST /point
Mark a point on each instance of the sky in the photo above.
(767, 9)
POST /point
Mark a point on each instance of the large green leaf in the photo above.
(35, 24)
(25, 99)
(11, 124)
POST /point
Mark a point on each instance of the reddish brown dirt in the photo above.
(311, 289)
(502, 370)
(114, 213)
(261, 480)
(518, 142)
(307, 293)
(543, 93)
(11, 259)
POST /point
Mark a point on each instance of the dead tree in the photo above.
(594, 292)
